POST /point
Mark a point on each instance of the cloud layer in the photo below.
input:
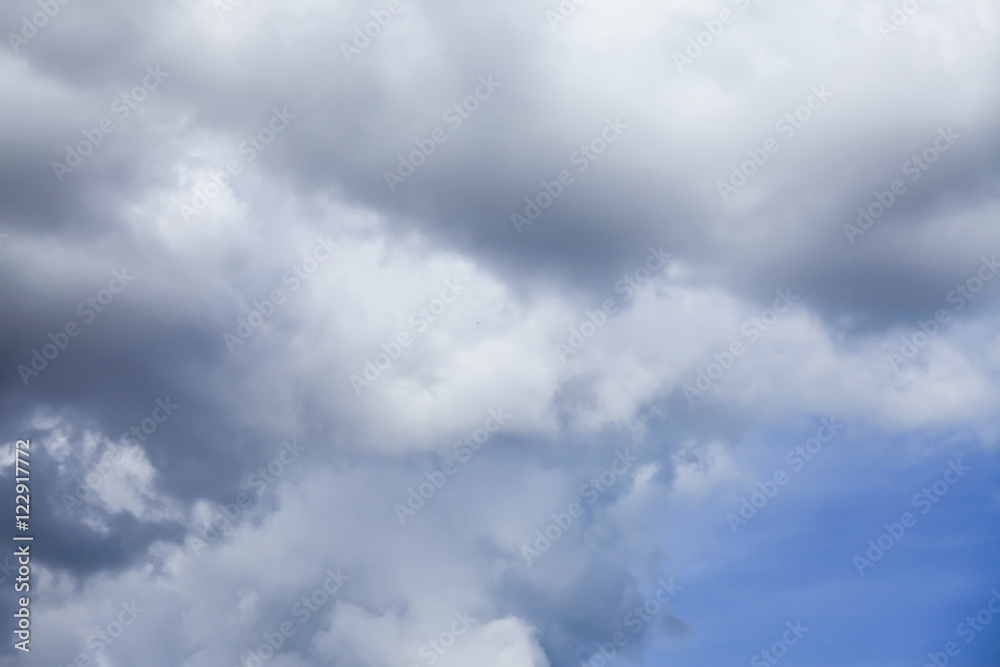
(347, 319)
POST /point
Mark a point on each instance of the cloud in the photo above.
(279, 291)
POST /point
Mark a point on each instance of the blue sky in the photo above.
(794, 560)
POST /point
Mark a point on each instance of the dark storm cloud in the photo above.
(354, 121)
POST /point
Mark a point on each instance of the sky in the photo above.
(509, 334)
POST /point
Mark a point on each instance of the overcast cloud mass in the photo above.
(502, 334)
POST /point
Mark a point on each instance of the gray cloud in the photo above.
(324, 177)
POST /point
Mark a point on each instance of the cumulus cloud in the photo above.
(416, 275)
